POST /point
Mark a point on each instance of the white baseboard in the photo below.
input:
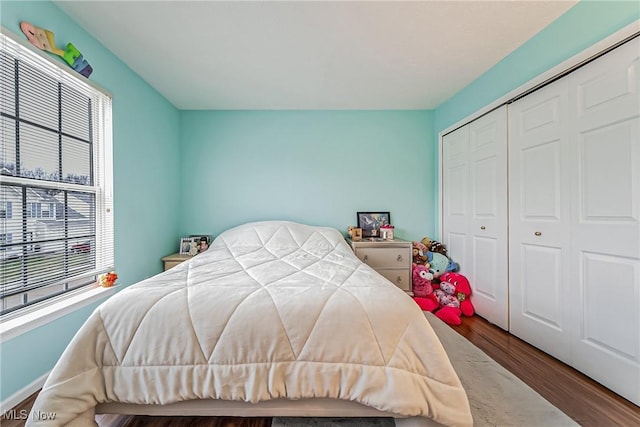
(22, 394)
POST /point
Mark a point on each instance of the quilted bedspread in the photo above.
(272, 310)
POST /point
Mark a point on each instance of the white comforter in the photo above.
(271, 310)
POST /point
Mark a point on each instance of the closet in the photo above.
(566, 208)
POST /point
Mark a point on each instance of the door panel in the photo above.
(485, 252)
(606, 90)
(455, 184)
(543, 303)
(539, 220)
(456, 243)
(485, 203)
(457, 178)
(620, 277)
(540, 190)
(488, 219)
(475, 210)
(608, 174)
(604, 170)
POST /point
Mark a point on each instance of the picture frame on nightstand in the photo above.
(203, 241)
(186, 245)
(370, 222)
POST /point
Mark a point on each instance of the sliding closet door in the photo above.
(475, 210)
(574, 218)
(605, 231)
(456, 194)
(539, 201)
(488, 219)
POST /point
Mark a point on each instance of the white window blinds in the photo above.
(56, 196)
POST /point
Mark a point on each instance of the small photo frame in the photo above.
(186, 244)
(355, 233)
(370, 222)
(203, 241)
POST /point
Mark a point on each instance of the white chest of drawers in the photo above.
(391, 258)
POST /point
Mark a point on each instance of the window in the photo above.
(41, 210)
(56, 220)
(34, 210)
(6, 209)
(5, 239)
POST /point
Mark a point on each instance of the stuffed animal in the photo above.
(440, 264)
(423, 289)
(421, 281)
(453, 295)
(419, 253)
(434, 246)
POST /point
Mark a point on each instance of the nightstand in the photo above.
(391, 258)
(172, 260)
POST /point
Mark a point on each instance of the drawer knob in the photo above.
(483, 228)
(537, 233)
(399, 279)
(366, 258)
(399, 259)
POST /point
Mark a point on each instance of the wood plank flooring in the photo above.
(584, 400)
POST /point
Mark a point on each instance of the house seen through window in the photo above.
(56, 220)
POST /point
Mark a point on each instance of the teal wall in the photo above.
(316, 167)
(146, 185)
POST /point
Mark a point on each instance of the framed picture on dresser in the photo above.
(370, 222)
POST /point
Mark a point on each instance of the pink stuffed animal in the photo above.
(422, 288)
(453, 295)
(422, 278)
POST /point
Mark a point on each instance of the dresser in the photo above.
(391, 258)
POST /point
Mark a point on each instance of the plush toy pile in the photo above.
(436, 285)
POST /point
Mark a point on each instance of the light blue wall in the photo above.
(583, 25)
(316, 167)
(146, 185)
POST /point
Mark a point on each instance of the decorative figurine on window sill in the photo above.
(107, 280)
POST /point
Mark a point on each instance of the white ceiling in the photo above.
(312, 54)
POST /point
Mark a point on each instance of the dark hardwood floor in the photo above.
(584, 400)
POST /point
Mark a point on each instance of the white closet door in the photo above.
(539, 197)
(475, 210)
(487, 233)
(456, 194)
(605, 231)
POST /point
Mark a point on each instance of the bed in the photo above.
(276, 318)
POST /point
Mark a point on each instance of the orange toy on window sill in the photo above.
(108, 279)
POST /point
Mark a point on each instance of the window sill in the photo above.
(41, 315)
